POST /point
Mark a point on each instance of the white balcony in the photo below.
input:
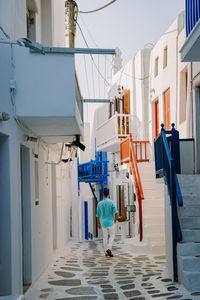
(119, 126)
(47, 95)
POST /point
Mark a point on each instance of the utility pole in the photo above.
(72, 12)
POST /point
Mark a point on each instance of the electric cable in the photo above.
(98, 9)
(105, 81)
(60, 158)
(93, 78)
(6, 35)
(118, 69)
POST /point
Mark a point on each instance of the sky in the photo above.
(126, 24)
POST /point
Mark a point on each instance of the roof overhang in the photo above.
(191, 48)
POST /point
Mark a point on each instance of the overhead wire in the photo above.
(93, 78)
(98, 9)
(110, 62)
(106, 82)
(6, 35)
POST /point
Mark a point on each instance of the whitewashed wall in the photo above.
(167, 77)
(49, 229)
(49, 20)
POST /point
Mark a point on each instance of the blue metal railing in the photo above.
(192, 14)
(94, 171)
(167, 164)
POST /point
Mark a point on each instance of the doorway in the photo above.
(157, 125)
(121, 205)
(26, 218)
(5, 219)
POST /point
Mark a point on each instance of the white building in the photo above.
(156, 87)
(40, 110)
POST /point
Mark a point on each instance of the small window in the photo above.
(156, 67)
(183, 94)
(165, 54)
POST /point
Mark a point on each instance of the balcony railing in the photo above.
(117, 127)
(167, 164)
(128, 155)
(192, 11)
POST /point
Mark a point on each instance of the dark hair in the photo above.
(106, 192)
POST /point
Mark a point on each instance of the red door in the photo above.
(167, 109)
(157, 125)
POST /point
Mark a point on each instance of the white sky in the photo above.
(127, 24)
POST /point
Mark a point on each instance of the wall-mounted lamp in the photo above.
(4, 116)
(76, 143)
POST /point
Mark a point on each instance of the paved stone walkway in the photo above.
(85, 273)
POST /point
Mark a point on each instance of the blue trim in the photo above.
(95, 171)
(101, 191)
(86, 220)
(192, 14)
(167, 164)
(93, 193)
(187, 140)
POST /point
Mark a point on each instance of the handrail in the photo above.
(168, 164)
(132, 160)
(141, 143)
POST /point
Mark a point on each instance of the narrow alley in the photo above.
(99, 137)
(84, 273)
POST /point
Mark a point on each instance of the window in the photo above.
(156, 67)
(165, 54)
(183, 95)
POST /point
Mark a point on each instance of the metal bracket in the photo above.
(96, 100)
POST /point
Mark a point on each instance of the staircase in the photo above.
(188, 251)
(153, 212)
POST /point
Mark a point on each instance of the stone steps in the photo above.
(189, 211)
(190, 222)
(188, 251)
(191, 235)
(191, 280)
(153, 210)
(156, 210)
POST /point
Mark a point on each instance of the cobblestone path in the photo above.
(83, 272)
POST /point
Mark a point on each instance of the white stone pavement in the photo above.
(83, 272)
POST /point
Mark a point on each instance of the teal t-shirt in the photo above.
(106, 211)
